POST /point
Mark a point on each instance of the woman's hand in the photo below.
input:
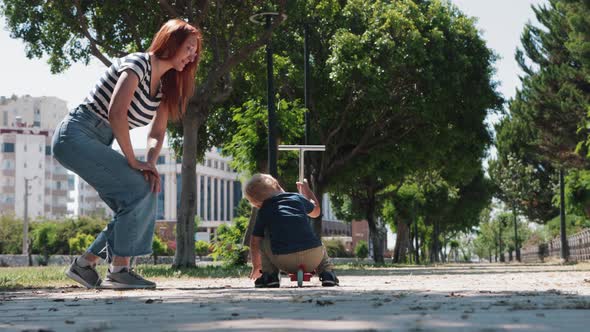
(154, 180)
(150, 173)
(142, 166)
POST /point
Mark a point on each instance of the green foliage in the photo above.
(44, 236)
(80, 243)
(577, 193)
(228, 246)
(361, 250)
(574, 224)
(159, 247)
(11, 234)
(495, 235)
(248, 146)
(553, 100)
(202, 248)
(517, 139)
(335, 248)
(516, 182)
(49, 237)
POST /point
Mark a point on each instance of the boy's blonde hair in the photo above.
(260, 187)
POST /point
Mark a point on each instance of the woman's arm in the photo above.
(155, 140)
(156, 135)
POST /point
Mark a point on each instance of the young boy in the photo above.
(282, 238)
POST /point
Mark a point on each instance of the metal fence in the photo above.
(579, 249)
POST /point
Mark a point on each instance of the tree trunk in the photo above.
(375, 231)
(417, 245)
(516, 244)
(435, 247)
(185, 239)
(318, 190)
(401, 244)
(501, 249)
(564, 253)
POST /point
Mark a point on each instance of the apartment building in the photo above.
(26, 128)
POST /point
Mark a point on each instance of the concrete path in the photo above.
(482, 298)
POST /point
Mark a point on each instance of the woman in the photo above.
(136, 90)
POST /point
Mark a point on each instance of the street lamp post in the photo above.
(266, 19)
(26, 217)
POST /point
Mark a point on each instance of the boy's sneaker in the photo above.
(268, 280)
(126, 279)
(85, 275)
(329, 279)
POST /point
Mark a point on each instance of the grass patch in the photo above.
(14, 278)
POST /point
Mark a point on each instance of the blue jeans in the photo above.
(82, 143)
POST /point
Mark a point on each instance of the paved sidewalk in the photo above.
(482, 298)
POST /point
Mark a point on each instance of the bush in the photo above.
(68, 229)
(362, 250)
(159, 248)
(80, 243)
(44, 236)
(11, 235)
(228, 246)
(201, 248)
(335, 248)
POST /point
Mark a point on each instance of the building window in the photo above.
(227, 203)
(208, 162)
(25, 148)
(237, 195)
(208, 216)
(160, 206)
(214, 200)
(40, 148)
(8, 147)
(25, 164)
(202, 198)
(161, 160)
(5, 118)
(178, 191)
(215, 165)
(48, 150)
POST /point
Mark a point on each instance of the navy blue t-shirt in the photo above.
(285, 215)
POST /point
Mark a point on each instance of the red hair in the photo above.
(177, 86)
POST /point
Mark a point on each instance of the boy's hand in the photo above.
(255, 273)
(303, 187)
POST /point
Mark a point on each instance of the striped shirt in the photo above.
(143, 106)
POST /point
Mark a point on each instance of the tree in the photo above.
(515, 137)
(516, 182)
(361, 250)
(553, 98)
(11, 234)
(70, 31)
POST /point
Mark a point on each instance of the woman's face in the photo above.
(186, 53)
